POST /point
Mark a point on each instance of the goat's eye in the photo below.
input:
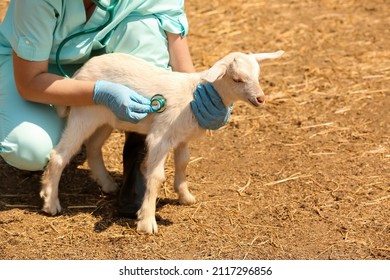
(238, 80)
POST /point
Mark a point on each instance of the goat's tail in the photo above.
(62, 111)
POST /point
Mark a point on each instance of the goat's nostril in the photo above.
(261, 99)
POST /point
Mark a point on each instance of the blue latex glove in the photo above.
(208, 108)
(124, 102)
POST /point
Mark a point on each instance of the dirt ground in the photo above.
(307, 177)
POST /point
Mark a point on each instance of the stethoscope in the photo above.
(108, 9)
(158, 102)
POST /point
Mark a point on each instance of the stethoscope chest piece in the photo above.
(158, 103)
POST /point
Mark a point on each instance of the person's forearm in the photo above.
(35, 84)
(52, 89)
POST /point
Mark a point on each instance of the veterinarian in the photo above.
(36, 34)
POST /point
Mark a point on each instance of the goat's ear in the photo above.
(216, 72)
(264, 56)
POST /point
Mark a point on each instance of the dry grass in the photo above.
(306, 178)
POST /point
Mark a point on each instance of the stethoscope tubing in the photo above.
(109, 9)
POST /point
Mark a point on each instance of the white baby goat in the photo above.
(235, 77)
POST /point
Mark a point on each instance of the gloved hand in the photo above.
(209, 109)
(124, 102)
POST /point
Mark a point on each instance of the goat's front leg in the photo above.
(95, 159)
(181, 156)
(154, 174)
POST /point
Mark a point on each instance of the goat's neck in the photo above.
(227, 98)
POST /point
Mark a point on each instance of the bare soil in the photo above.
(307, 177)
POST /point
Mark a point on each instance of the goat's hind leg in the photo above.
(95, 159)
(59, 158)
(181, 156)
(72, 138)
(50, 181)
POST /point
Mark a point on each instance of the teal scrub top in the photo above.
(60, 18)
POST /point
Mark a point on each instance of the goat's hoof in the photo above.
(147, 226)
(106, 182)
(187, 199)
(110, 188)
(52, 208)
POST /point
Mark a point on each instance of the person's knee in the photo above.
(27, 148)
